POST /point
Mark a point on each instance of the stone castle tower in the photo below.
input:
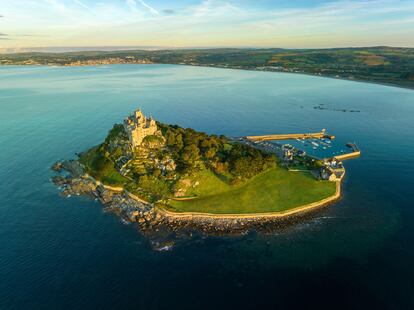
(137, 127)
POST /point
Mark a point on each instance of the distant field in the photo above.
(274, 190)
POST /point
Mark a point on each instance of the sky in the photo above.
(206, 23)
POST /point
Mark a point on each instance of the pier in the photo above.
(355, 153)
(314, 135)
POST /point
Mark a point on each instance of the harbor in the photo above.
(319, 145)
(314, 153)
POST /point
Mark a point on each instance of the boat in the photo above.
(315, 144)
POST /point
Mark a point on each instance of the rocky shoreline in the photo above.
(73, 181)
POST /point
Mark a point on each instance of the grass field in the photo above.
(271, 191)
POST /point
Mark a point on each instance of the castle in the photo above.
(137, 127)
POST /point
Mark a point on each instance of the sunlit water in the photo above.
(58, 253)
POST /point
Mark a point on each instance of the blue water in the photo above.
(58, 253)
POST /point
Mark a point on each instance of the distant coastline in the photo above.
(222, 67)
(389, 66)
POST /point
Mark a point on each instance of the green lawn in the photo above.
(274, 190)
(209, 184)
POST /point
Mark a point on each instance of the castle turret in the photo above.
(140, 117)
(137, 127)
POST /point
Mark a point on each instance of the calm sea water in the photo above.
(58, 253)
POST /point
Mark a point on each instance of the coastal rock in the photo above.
(73, 167)
(59, 180)
(57, 166)
(104, 194)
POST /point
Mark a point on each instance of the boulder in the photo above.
(57, 166)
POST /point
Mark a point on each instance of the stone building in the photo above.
(137, 127)
(332, 170)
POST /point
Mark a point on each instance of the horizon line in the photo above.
(115, 48)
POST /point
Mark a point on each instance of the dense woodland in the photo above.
(194, 150)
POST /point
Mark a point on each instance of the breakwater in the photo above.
(314, 135)
(356, 152)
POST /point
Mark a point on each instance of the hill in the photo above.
(183, 170)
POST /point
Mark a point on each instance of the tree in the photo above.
(170, 137)
(190, 154)
(157, 188)
(179, 142)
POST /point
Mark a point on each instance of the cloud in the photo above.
(150, 8)
(83, 5)
(4, 36)
(208, 22)
(132, 4)
(31, 35)
(168, 11)
(57, 5)
(1, 16)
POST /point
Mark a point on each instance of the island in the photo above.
(155, 174)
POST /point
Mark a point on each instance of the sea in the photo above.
(67, 253)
